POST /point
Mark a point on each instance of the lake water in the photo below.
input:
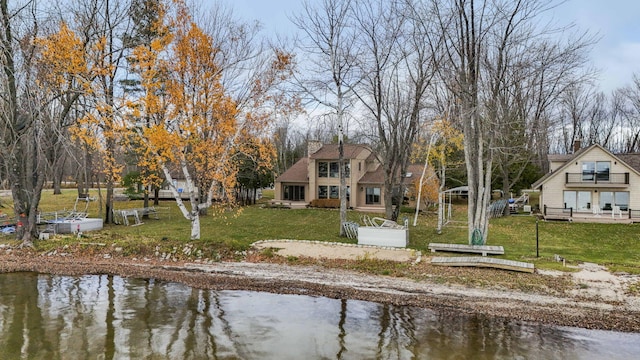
(106, 317)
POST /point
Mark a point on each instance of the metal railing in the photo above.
(594, 178)
(557, 211)
(634, 214)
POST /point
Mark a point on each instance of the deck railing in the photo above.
(594, 178)
(634, 214)
(568, 212)
(557, 211)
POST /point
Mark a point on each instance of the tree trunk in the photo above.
(424, 172)
(441, 201)
(388, 197)
(342, 165)
(195, 225)
(505, 191)
(145, 202)
(58, 172)
(110, 178)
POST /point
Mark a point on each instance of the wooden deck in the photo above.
(476, 249)
(611, 216)
(605, 218)
(481, 261)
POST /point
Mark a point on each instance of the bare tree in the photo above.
(330, 73)
(27, 111)
(487, 43)
(630, 108)
(397, 69)
(537, 74)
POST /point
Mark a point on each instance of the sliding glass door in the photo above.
(578, 200)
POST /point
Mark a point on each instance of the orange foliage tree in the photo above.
(430, 189)
(195, 130)
(96, 65)
(63, 78)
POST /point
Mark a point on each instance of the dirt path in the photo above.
(323, 249)
(592, 281)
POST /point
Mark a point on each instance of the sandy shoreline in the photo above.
(589, 306)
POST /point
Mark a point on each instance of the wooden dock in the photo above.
(481, 261)
(477, 249)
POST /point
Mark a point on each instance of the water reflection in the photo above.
(105, 317)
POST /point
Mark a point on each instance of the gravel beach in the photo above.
(596, 300)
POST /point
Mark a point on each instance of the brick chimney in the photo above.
(313, 146)
(577, 144)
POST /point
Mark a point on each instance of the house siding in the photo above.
(365, 171)
(553, 189)
(359, 167)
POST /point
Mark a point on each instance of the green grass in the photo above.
(225, 232)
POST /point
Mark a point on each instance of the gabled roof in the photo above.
(296, 173)
(331, 151)
(560, 157)
(632, 161)
(414, 171)
(373, 177)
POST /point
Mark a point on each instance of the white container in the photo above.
(379, 236)
(79, 225)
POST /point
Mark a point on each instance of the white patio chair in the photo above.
(616, 210)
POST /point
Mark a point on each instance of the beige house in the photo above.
(317, 176)
(591, 184)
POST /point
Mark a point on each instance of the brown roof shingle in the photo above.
(296, 173)
(373, 177)
(631, 159)
(331, 151)
(377, 176)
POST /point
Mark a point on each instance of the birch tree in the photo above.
(397, 70)
(195, 128)
(483, 42)
(329, 40)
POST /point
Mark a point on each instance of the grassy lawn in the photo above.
(614, 245)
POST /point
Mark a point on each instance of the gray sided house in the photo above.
(592, 184)
(317, 176)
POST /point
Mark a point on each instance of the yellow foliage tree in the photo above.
(94, 63)
(195, 129)
(444, 141)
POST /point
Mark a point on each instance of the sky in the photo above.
(615, 22)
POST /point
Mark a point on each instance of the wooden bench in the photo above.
(480, 261)
(477, 249)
